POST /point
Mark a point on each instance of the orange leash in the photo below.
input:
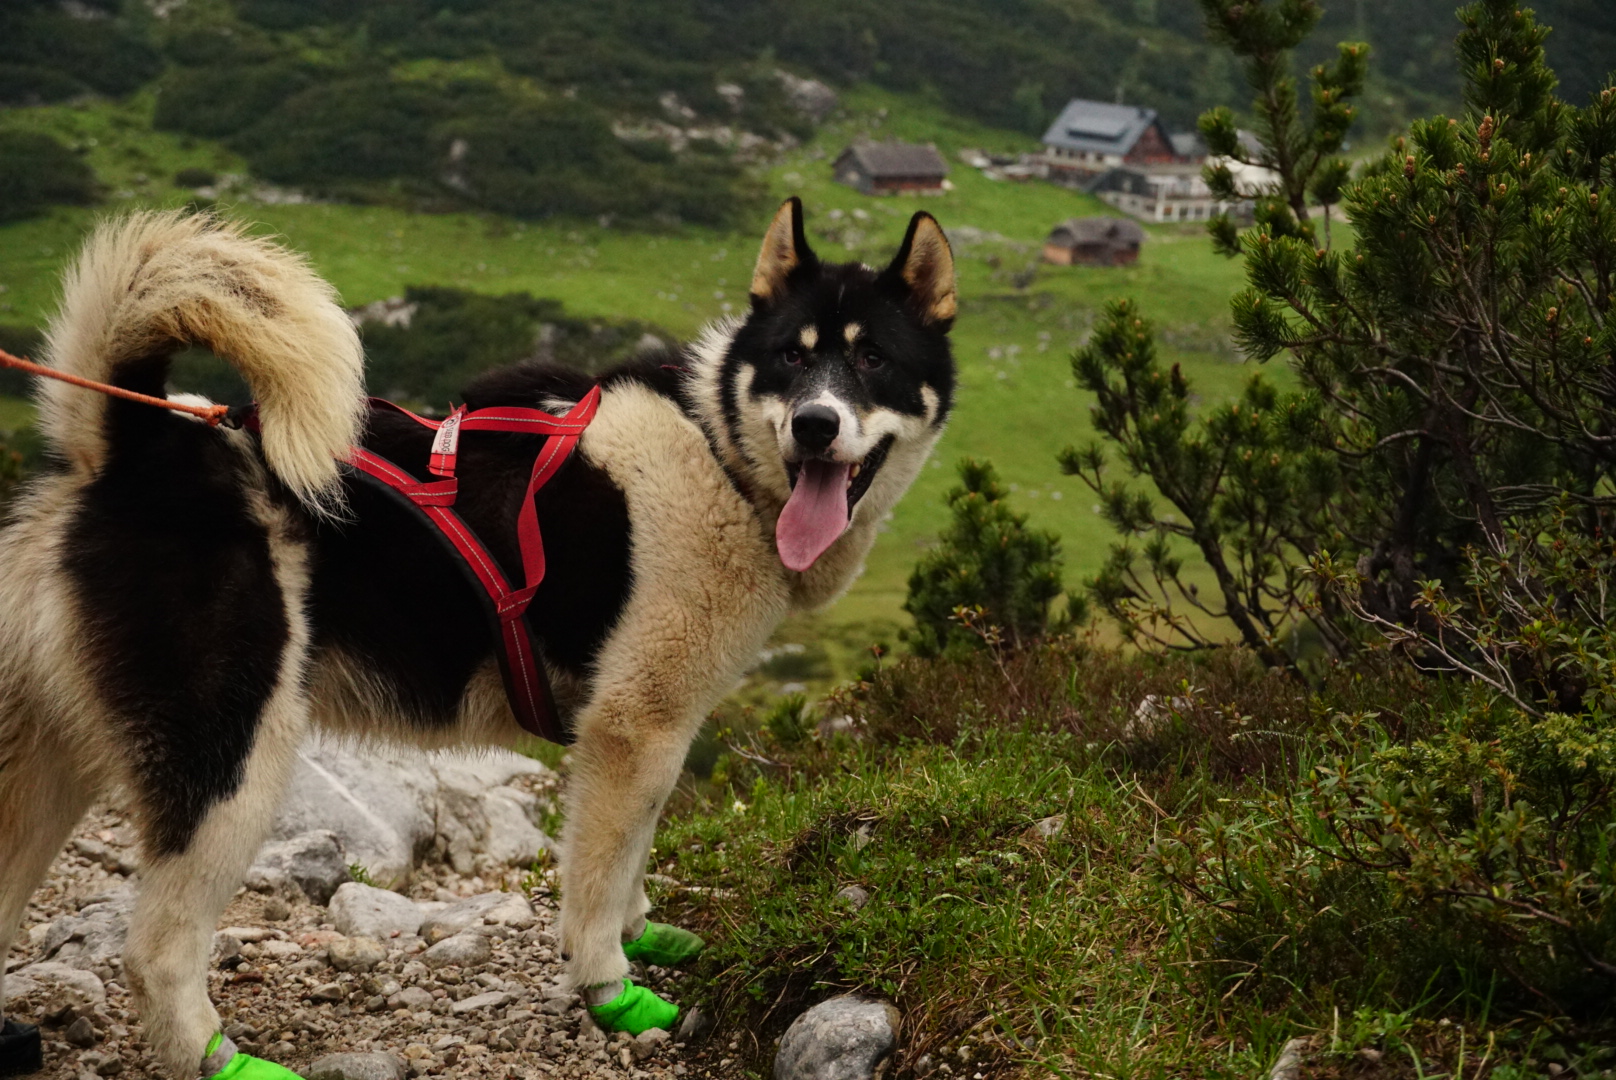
(213, 414)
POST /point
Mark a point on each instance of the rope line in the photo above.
(213, 414)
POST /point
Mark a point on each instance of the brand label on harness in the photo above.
(446, 443)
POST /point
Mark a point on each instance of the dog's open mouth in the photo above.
(823, 494)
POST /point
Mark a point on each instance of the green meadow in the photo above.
(1019, 319)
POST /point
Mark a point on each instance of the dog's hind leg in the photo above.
(41, 800)
(184, 891)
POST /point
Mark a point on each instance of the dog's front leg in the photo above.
(621, 776)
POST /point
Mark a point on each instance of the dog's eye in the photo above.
(869, 359)
(792, 357)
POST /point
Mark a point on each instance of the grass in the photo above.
(995, 941)
(1019, 320)
(1004, 816)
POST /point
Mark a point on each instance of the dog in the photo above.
(180, 604)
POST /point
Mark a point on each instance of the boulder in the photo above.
(845, 1038)
(95, 935)
(810, 97)
(390, 808)
(79, 988)
(314, 862)
(357, 1067)
(377, 802)
(365, 911)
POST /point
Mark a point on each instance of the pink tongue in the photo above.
(815, 515)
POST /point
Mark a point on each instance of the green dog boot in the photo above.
(663, 945)
(635, 1010)
(241, 1066)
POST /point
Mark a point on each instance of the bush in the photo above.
(100, 53)
(1492, 831)
(222, 99)
(453, 336)
(37, 172)
(364, 128)
(194, 177)
(561, 158)
(30, 84)
(990, 580)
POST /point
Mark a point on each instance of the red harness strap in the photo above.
(526, 685)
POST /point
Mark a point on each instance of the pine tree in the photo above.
(990, 580)
(1303, 151)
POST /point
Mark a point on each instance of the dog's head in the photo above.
(838, 382)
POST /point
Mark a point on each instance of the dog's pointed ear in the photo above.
(925, 265)
(784, 250)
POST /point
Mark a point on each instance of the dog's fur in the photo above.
(180, 603)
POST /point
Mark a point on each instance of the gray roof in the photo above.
(1096, 230)
(896, 159)
(1099, 128)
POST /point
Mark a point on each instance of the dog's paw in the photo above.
(663, 945)
(635, 1010)
(20, 1051)
(246, 1067)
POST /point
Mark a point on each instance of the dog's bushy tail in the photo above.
(150, 283)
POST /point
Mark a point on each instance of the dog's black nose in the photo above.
(815, 427)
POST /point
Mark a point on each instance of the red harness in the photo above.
(526, 685)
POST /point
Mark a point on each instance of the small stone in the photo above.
(648, 1043)
(102, 1064)
(1048, 827)
(462, 950)
(412, 998)
(492, 1000)
(364, 911)
(513, 912)
(357, 1067)
(276, 909)
(328, 992)
(356, 954)
(460, 915)
(696, 1025)
(855, 896)
(845, 1038)
(81, 1033)
(1288, 1066)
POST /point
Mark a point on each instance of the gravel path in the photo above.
(282, 998)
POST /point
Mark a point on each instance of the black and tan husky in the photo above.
(180, 604)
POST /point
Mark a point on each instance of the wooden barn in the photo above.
(887, 168)
(1094, 241)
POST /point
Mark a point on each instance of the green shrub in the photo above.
(990, 580)
(1487, 842)
(221, 99)
(194, 177)
(37, 172)
(102, 53)
(454, 335)
(30, 84)
(364, 128)
(23, 341)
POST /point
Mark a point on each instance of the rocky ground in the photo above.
(456, 974)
